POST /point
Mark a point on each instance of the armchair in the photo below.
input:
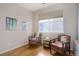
(60, 44)
(35, 40)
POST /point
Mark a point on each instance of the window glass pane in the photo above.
(43, 26)
(51, 25)
(13, 23)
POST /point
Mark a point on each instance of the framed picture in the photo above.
(24, 25)
(11, 23)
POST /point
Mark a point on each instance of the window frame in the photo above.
(49, 26)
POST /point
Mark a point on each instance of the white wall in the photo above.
(35, 22)
(13, 39)
(69, 13)
(76, 42)
(78, 18)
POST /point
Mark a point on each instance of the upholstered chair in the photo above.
(35, 39)
(60, 44)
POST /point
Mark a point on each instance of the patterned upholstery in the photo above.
(34, 40)
(60, 44)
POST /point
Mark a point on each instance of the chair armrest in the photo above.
(53, 40)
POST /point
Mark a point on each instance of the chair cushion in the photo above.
(34, 39)
(64, 38)
(58, 44)
(37, 35)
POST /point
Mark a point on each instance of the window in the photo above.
(51, 25)
(10, 23)
(43, 26)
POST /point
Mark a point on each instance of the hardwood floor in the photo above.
(29, 51)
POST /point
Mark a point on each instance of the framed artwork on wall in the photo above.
(24, 26)
(11, 23)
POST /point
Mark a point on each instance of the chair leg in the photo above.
(69, 52)
(50, 51)
(64, 53)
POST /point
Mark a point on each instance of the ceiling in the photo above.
(36, 6)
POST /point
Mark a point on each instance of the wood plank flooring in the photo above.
(29, 51)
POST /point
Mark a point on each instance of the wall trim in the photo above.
(12, 48)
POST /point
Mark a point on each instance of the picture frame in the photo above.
(23, 25)
(11, 23)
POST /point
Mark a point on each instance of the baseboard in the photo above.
(12, 48)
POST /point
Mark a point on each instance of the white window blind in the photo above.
(51, 25)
